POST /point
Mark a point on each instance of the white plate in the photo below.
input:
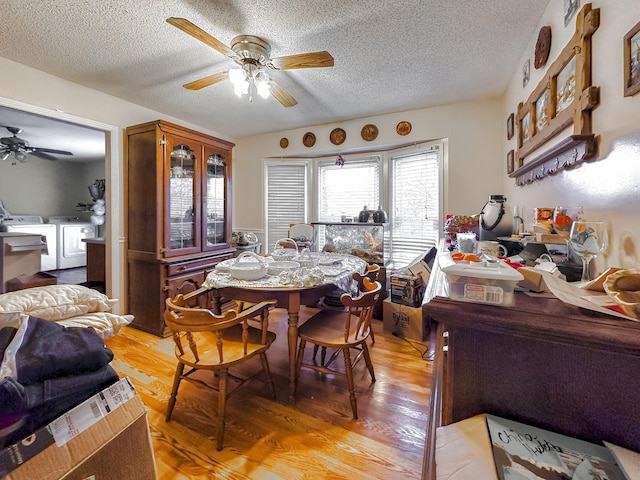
(328, 260)
(333, 272)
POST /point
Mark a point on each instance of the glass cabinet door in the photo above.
(214, 204)
(183, 231)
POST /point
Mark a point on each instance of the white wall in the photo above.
(471, 130)
(47, 188)
(609, 187)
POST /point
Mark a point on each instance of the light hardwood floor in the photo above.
(268, 439)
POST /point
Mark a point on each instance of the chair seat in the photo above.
(326, 328)
(233, 347)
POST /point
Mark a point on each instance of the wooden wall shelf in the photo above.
(569, 153)
(564, 98)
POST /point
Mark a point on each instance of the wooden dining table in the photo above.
(289, 291)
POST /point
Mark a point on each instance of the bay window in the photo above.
(404, 182)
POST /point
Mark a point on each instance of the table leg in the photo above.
(292, 337)
(216, 302)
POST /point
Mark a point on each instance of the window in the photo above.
(405, 182)
(415, 203)
(344, 190)
(285, 199)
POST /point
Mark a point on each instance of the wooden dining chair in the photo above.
(205, 341)
(373, 272)
(342, 332)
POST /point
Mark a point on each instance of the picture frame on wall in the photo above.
(510, 126)
(510, 162)
(570, 9)
(632, 61)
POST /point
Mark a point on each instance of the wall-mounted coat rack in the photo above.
(563, 98)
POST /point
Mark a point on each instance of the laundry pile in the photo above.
(46, 370)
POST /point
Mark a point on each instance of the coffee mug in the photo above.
(493, 248)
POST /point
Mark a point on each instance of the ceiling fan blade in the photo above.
(282, 95)
(43, 155)
(196, 32)
(36, 150)
(303, 60)
(206, 81)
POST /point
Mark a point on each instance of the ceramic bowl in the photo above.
(252, 269)
(277, 267)
(305, 259)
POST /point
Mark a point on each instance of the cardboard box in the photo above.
(407, 289)
(404, 321)
(105, 437)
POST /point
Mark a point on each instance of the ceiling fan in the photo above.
(20, 148)
(252, 54)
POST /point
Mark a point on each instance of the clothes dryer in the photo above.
(34, 224)
(72, 251)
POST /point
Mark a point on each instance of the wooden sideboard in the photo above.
(541, 362)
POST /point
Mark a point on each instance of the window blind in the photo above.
(285, 200)
(415, 202)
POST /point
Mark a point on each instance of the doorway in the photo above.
(113, 226)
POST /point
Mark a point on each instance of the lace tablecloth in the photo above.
(336, 269)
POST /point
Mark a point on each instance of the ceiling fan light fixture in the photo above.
(5, 155)
(239, 80)
(261, 80)
(249, 80)
(21, 157)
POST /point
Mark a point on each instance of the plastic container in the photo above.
(481, 282)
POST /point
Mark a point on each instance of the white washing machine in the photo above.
(35, 224)
(72, 251)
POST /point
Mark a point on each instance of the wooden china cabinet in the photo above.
(179, 215)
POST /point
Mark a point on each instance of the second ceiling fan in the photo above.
(252, 54)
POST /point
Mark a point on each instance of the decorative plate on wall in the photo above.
(309, 139)
(543, 46)
(284, 142)
(337, 136)
(369, 132)
(403, 128)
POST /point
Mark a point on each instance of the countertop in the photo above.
(97, 240)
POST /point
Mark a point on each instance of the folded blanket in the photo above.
(49, 350)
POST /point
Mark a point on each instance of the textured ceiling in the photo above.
(390, 56)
